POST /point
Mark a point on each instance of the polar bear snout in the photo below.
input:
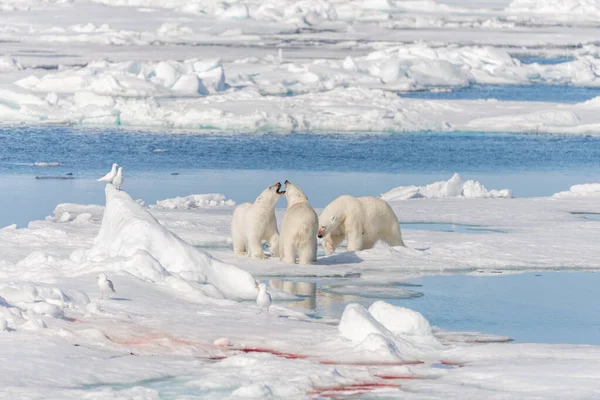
(320, 232)
(278, 190)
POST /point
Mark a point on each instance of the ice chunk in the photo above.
(173, 29)
(195, 201)
(586, 189)
(454, 187)
(47, 164)
(190, 84)
(8, 64)
(359, 326)
(127, 228)
(404, 322)
(167, 73)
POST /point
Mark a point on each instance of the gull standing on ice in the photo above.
(263, 300)
(105, 285)
(110, 176)
(118, 179)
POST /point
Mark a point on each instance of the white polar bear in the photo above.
(364, 220)
(298, 228)
(254, 222)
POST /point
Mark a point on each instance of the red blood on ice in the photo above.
(289, 356)
(395, 376)
(354, 388)
(374, 364)
(452, 363)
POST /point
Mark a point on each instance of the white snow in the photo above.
(328, 66)
(456, 186)
(173, 309)
(129, 231)
(404, 322)
(195, 201)
(586, 189)
(184, 320)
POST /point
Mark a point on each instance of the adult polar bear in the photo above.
(298, 228)
(254, 222)
(364, 220)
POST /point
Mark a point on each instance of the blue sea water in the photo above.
(535, 92)
(239, 166)
(327, 166)
(544, 60)
(540, 307)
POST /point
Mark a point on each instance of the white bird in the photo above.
(105, 285)
(263, 300)
(118, 179)
(109, 177)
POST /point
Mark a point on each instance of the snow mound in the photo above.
(586, 189)
(25, 306)
(369, 335)
(456, 186)
(194, 201)
(589, 8)
(133, 79)
(8, 64)
(127, 228)
(404, 322)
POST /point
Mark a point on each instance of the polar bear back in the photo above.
(378, 211)
(300, 220)
(371, 214)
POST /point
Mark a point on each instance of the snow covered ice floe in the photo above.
(271, 94)
(171, 305)
(586, 189)
(195, 201)
(456, 186)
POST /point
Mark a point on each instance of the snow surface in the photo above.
(587, 189)
(173, 323)
(184, 322)
(283, 66)
(456, 186)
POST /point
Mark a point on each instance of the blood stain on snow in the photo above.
(289, 356)
(452, 363)
(355, 388)
(373, 364)
(391, 377)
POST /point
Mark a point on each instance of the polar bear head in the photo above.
(331, 217)
(294, 194)
(271, 194)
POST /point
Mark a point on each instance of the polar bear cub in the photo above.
(363, 220)
(254, 222)
(298, 228)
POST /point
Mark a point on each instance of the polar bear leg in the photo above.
(355, 240)
(288, 255)
(274, 244)
(239, 242)
(307, 253)
(394, 236)
(332, 242)
(255, 249)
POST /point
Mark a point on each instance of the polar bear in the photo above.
(254, 222)
(298, 228)
(364, 220)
